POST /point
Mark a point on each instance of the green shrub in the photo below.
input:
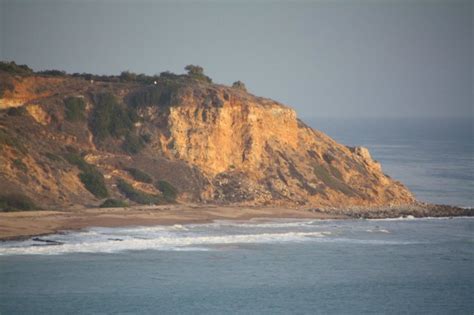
(90, 176)
(12, 67)
(93, 181)
(146, 96)
(15, 202)
(16, 111)
(139, 175)
(137, 195)
(110, 118)
(52, 156)
(239, 85)
(75, 108)
(52, 72)
(160, 95)
(332, 181)
(77, 160)
(169, 191)
(132, 144)
(7, 139)
(146, 138)
(18, 164)
(197, 73)
(114, 203)
(128, 76)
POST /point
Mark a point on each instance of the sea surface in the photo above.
(391, 266)
(433, 157)
(397, 266)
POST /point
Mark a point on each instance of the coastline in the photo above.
(26, 224)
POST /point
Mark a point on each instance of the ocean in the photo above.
(391, 266)
(409, 266)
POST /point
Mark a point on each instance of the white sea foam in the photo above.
(378, 231)
(105, 244)
(218, 235)
(263, 223)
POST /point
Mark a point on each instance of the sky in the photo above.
(351, 59)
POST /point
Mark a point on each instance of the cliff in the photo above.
(66, 142)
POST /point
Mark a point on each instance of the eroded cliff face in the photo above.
(213, 143)
(256, 150)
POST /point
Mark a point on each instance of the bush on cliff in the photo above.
(93, 180)
(20, 165)
(197, 73)
(16, 202)
(113, 203)
(133, 144)
(127, 76)
(16, 111)
(137, 195)
(332, 180)
(139, 175)
(160, 95)
(7, 139)
(13, 68)
(52, 72)
(74, 108)
(169, 191)
(90, 176)
(110, 118)
(239, 85)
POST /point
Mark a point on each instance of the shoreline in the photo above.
(25, 224)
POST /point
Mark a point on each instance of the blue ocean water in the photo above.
(434, 158)
(415, 266)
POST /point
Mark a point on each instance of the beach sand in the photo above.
(17, 225)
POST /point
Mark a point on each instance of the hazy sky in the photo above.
(324, 58)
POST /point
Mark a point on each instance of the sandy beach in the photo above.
(23, 224)
(16, 225)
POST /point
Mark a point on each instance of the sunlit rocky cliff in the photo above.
(77, 140)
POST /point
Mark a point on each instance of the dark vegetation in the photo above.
(159, 95)
(90, 176)
(7, 139)
(110, 118)
(127, 76)
(75, 108)
(139, 175)
(194, 72)
(136, 195)
(133, 143)
(113, 119)
(16, 202)
(239, 85)
(16, 111)
(13, 68)
(197, 73)
(18, 164)
(113, 203)
(52, 156)
(332, 180)
(52, 72)
(169, 191)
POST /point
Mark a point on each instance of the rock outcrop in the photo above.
(211, 143)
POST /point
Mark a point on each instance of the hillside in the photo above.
(76, 140)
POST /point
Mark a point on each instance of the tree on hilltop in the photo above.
(197, 72)
(239, 85)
